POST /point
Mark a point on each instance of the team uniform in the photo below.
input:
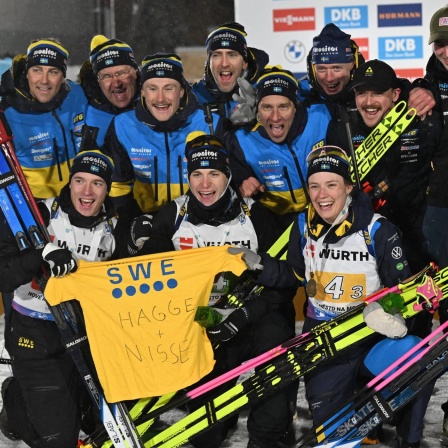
(148, 154)
(40, 360)
(184, 224)
(281, 167)
(348, 261)
(47, 136)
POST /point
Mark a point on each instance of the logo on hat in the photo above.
(443, 21)
(325, 166)
(205, 163)
(369, 71)
(94, 168)
(277, 89)
(43, 60)
(225, 43)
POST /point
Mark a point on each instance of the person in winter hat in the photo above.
(82, 224)
(212, 213)
(147, 144)
(46, 113)
(230, 65)
(110, 79)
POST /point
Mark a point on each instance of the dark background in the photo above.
(148, 26)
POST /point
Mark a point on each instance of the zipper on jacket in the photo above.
(288, 181)
(181, 179)
(55, 115)
(58, 162)
(300, 173)
(156, 178)
(168, 168)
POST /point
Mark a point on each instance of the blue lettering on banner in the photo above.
(409, 14)
(404, 47)
(142, 275)
(347, 17)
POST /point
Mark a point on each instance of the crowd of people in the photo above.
(131, 159)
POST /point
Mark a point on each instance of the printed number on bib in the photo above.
(343, 288)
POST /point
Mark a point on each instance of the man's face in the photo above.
(441, 51)
(87, 193)
(208, 185)
(276, 114)
(374, 106)
(162, 97)
(44, 82)
(332, 78)
(118, 84)
(226, 66)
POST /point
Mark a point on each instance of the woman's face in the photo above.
(328, 193)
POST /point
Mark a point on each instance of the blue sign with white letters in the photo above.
(400, 47)
(347, 16)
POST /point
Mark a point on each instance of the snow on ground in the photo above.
(238, 439)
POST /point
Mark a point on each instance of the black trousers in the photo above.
(44, 404)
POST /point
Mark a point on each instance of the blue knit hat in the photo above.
(332, 46)
(230, 36)
(106, 53)
(162, 65)
(47, 52)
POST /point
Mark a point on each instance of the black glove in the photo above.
(61, 261)
(228, 328)
(140, 232)
(249, 256)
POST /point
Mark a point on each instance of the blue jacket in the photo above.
(47, 136)
(281, 168)
(149, 155)
(100, 111)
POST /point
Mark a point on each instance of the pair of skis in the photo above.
(381, 139)
(288, 362)
(29, 230)
(385, 394)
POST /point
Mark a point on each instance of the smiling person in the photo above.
(110, 79)
(44, 401)
(343, 253)
(46, 113)
(211, 213)
(228, 58)
(269, 159)
(398, 181)
(147, 144)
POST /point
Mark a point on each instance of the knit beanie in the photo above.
(93, 161)
(106, 52)
(162, 65)
(47, 52)
(331, 159)
(332, 46)
(276, 81)
(230, 36)
(204, 151)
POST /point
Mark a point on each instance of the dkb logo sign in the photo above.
(406, 47)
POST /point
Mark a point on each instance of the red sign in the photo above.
(297, 19)
(410, 73)
(363, 44)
